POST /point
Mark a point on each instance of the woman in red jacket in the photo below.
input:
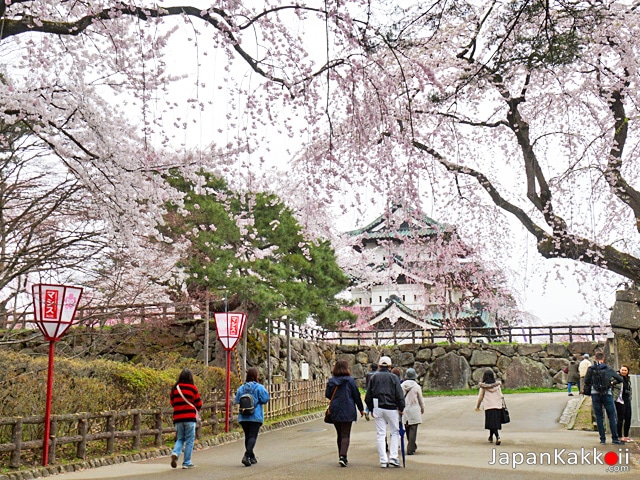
(186, 402)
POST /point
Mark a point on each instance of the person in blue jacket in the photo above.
(251, 423)
(345, 398)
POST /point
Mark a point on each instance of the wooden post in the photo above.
(136, 429)
(53, 435)
(16, 439)
(111, 429)
(158, 437)
(81, 451)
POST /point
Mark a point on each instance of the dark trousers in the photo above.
(343, 429)
(600, 404)
(251, 430)
(412, 433)
(623, 411)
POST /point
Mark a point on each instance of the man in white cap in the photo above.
(385, 400)
(583, 367)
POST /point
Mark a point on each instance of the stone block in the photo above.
(362, 357)
(423, 355)
(449, 372)
(525, 372)
(529, 349)
(405, 359)
(438, 352)
(626, 314)
(503, 362)
(483, 358)
(555, 364)
(557, 350)
(504, 349)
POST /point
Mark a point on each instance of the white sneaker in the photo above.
(394, 463)
(383, 465)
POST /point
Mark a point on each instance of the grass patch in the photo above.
(584, 419)
(474, 391)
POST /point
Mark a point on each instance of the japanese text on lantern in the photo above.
(234, 326)
(51, 304)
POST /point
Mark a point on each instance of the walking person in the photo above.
(385, 400)
(345, 399)
(373, 368)
(413, 410)
(491, 395)
(251, 421)
(186, 402)
(573, 375)
(598, 383)
(583, 368)
(623, 405)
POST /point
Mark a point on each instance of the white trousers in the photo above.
(384, 418)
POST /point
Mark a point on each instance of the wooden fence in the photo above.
(85, 435)
(519, 334)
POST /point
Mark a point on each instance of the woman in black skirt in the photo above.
(491, 394)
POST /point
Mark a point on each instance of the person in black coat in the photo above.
(345, 398)
(623, 405)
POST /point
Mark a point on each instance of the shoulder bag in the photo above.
(505, 418)
(198, 417)
(327, 414)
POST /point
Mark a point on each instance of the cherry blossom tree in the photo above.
(527, 106)
(522, 107)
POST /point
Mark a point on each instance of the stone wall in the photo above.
(438, 366)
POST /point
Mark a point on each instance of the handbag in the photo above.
(327, 414)
(505, 418)
(198, 417)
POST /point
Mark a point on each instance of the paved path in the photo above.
(452, 445)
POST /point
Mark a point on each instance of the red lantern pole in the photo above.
(47, 412)
(229, 326)
(54, 307)
(227, 408)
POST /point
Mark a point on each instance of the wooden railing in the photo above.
(113, 314)
(106, 433)
(171, 312)
(519, 334)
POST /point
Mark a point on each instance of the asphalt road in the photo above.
(452, 444)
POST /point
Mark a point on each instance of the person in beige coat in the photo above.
(491, 395)
(413, 410)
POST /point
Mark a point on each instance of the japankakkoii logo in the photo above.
(616, 461)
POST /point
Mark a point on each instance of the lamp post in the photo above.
(54, 307)
(229, 327)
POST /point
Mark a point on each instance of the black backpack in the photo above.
(599, 380)
(246, 404)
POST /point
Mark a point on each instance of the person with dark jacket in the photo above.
(573, 375)
(623, 405)
(603, 400)
(344, 399)
(186, 402)
(251, 422)
(385, 400)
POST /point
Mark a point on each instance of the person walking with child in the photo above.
(413, 410)
(344, 399)
(186, 402)
(251, 419)
(491, 395)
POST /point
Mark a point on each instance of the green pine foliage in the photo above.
(252, 248)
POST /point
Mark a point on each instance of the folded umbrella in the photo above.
(401, 431)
